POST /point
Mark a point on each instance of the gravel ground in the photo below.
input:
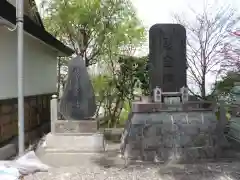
(211, 171)
(110, 168)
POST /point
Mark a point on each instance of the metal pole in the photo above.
(20, 31)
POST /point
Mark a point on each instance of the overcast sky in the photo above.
(160, 11)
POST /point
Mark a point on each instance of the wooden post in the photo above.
(54, 112)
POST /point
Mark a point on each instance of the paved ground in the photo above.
(111, 167)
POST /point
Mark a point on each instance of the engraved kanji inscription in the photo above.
(168, 61)
(167, 43)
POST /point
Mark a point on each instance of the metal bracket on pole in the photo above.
(8, 25)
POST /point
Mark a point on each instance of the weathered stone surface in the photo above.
(6, 109)
(91, 143)
(83, 126)
(175, 136)
(167, 57)
(78, 99)
(35, 115)
(152, 107)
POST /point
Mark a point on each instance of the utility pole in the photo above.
(20, 31)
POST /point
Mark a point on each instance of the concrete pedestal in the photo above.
(74, 139)
(77, 143)
(64, 127)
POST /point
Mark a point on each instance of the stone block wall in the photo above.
(37, 112)
(171, 135)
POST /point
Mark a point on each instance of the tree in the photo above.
(231, 52)
(86, 25)
(62, 70)
(101, 32)
(207, 35)
(224, 86)
(116, 87)
(89, 26)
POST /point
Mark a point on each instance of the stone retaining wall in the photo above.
(32, 138)
(165, 136)
(37, 112)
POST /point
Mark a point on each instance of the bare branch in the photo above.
(207, 36)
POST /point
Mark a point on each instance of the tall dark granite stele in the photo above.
(167, 57)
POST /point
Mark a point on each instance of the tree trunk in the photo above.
(203, 85)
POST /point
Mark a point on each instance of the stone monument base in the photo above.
(77, 143)
(74, 127)
(75, 137)
(173, 132)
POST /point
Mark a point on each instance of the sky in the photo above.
(160, 11)
(151, 12)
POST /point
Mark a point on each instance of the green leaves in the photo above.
(102, 31)
(89, 25)
(132, 71)
(224, 86)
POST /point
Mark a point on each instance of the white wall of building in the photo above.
(40, 66)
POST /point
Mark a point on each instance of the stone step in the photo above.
(61, 159)
(69, 159)
(75, 143)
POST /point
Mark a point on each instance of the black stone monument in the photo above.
(168, 129)
(78, 99)
(167, 57)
